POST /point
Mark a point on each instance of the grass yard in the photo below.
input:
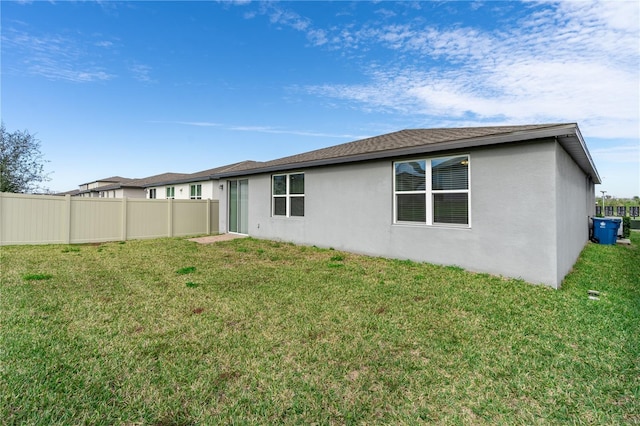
(169, 332)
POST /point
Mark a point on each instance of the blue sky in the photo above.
(141, 88)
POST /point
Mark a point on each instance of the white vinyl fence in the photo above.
(50, 219)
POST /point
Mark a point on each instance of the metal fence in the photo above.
(620, 211)
(46, 219)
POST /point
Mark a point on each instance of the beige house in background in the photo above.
(195, 186)
(180, 186)
(92, 189)
(120, 187)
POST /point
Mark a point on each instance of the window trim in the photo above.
(429, 193)
(170, 192)
(198, 191)
(152, 193)
(287, 195)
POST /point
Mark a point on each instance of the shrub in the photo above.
(626, 227)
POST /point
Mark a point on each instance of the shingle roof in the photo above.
(228, 168)
(114, 179)
(71, 192)
(206, 174)
(142, 182)
(413, 141)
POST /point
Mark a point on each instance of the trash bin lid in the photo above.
(614, 219)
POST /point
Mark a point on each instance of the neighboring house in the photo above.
(199, 185)
(140, 188)
(509, 200)
(92, 189)
(118, 187)
(72, 193)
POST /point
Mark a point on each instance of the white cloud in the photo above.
(104, 43)
(273, 130)
(260, 129)
(288, 18)
(142, 73)
(194, 123)
(54, 57)
(317, 37)
(572, 61)
(618, 154)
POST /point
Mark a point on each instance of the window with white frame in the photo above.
(195, 192)
(171, 192)
(432, 191)
(152, 193)
(288, 194)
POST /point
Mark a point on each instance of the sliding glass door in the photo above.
(238, 206)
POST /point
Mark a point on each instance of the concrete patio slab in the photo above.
(209, 239)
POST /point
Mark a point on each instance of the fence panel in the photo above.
(196, 211)
(28, 219)
(619, 211)
(214, 216)
(147, 218)
(44, 219)
(95, 220)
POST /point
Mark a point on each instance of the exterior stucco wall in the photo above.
(131, 193)
(513, 214)
(513, 205)
(182, 190)
(575, 200)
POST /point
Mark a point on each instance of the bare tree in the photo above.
(21, 162)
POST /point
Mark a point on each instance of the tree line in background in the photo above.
(21, 162)
(615, 202)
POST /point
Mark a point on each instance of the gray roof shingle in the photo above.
(206, 174)
(414, 141)
(142, 182)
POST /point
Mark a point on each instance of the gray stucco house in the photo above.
(507, 200)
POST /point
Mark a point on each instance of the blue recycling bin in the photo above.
(605, 229)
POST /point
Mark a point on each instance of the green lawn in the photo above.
(169, 332)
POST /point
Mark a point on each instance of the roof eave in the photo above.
(178, 181)
(556, 131)
(575, 145)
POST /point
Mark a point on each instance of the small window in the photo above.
(195, 192)
(171, 192)
(152, 193)
(432, 191)
(288, 195)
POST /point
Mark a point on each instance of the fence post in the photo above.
(170, 207)
(1, 222)
(208, 216)
(124, 218)
(67, 225)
